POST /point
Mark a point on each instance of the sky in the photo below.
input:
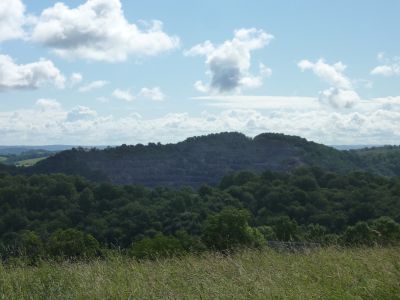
(107, 72)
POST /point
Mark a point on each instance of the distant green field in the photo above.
(323, 274)
(3, 158)
(29, 162)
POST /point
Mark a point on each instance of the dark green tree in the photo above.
(230, 229)
(286, 229)
(389, 231)
(360, 235)
(72, 243)
(156, 247)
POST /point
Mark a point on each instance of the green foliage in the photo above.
(286, 229)
(316, 233)
(359, 235)
(280, 205)
(156, 247)
(230, 229)
(389, 231)
(206, 160)
(29, 244)
(268, 232)
(189, 242)
(71, 243)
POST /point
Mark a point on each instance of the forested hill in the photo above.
(206, 159)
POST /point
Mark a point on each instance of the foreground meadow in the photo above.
(321, 274)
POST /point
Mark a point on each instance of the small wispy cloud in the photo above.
(93, 86)
(154, 93)
(389, 66)
(125, 95)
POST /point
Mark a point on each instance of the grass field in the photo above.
(3, 158)
(29, 162)
(321, 274)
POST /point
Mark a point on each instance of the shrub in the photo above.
(73, 243)
(286, 229)
(389, 231)
(229, 229)
(360, 235)
(29, 244)
(156, 247)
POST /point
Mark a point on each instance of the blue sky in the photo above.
(111, 72)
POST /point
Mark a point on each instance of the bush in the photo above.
(73, 243)
(29, 244)
(156, 247)
(389, 231)
(230, 229)
(360, 235)
(286, 229)
(268, 232)
(316, 233)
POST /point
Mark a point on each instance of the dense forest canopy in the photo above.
(206, 159)
(211, 192)
(309, 204)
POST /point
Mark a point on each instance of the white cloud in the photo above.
(80, 113)
(125, 95)
(48, 104)
(97, 30)
(28, 76)
(200, 86)
(12, 19)
(265, 71)
(332, 74)
(229, 63)
(75, 78)
(389, 67)
(271, 103)
(339, 98)
(154, 93)
(341, 94)
(374, 122)
(93, 86)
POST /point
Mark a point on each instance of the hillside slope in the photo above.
(197, 160)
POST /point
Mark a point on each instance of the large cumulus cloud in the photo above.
(28, 76)
(98, 30)
(12, 19)
(229, 63)
(341, 94)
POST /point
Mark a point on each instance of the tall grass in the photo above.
(372, 273)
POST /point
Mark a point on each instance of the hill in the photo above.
(17, 150)
(198, 160)
(24, 159)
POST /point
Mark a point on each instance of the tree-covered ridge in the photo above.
(206, 159)
(380, 160)
(308, 205)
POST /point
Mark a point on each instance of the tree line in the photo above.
(68, 216)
